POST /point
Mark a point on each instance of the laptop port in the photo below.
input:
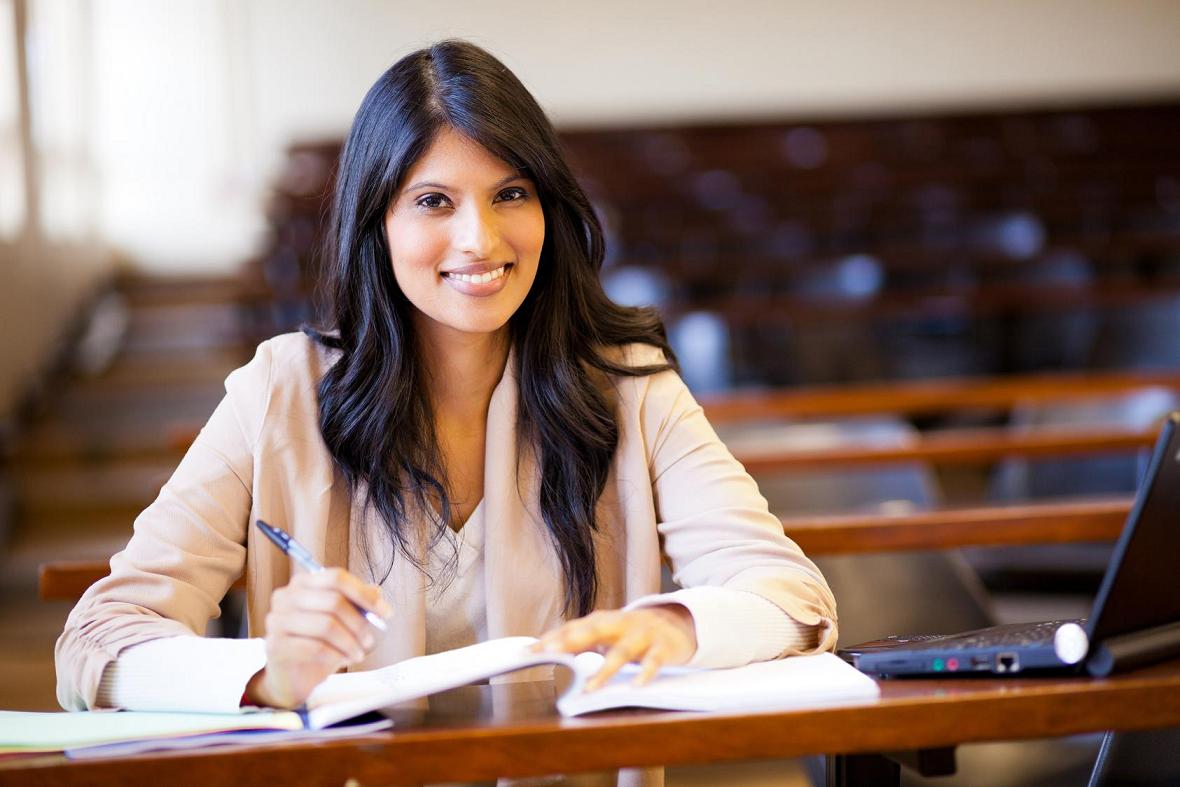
(1007, 662)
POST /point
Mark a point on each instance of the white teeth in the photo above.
(479, 278)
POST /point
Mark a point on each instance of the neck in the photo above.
(463, 369)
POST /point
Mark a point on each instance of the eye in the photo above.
(512, 194)
(432, 201)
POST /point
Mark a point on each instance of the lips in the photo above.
(479, 280)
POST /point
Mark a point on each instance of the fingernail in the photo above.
(368, 641)
(358, 655)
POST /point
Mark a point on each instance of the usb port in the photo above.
(1007, 662)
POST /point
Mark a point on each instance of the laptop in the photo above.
(1135, 619)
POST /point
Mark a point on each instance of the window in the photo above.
(12, 176)
(59, 98)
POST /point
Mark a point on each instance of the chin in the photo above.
(476, 326)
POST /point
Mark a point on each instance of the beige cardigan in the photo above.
(674, 491)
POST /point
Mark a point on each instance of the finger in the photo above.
(332, 602)
(628, 649)
(323, 628)
(366, 596)
(653, 660)
(599, 628)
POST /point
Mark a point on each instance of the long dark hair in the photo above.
(375, 415)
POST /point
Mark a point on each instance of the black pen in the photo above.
(300, 555)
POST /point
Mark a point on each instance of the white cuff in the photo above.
(184, 674)
(735, 627)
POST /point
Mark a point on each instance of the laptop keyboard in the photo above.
(1015, 635)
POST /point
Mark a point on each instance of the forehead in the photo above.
(452, 157)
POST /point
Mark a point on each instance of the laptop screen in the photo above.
(1139, 590)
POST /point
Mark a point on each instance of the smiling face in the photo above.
(465, 235)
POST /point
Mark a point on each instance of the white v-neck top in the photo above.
(456, 607)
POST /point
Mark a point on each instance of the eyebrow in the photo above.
(435, 185)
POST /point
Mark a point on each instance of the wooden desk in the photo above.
(481, 732)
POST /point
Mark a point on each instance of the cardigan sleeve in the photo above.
(716, 528)
(187, 548)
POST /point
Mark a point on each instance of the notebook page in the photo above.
(346, 695)
(795, 682)
(32, 732)
(235, 738)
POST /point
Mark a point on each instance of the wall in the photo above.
(43, 289)
(198, 99)
(618, 61)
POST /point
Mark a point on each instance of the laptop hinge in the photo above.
(1136, 649)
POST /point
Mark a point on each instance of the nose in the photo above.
(477, 233)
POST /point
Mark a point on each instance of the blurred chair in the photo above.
(1023, 479)
(1068, 567)
(843, 349)
(883, 594)
(701, 343)
(1061, 338)
(1142, 336)
(699, 339)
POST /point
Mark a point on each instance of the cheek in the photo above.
(413, 249)
(531, 235)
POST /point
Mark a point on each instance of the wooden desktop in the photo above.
(483, 732)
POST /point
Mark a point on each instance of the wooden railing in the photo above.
(976, 446)
(931, 397)
(1062, 521)
(1032, 523)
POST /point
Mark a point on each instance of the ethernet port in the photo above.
(1007, 662)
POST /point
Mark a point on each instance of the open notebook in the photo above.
(802, 681)
(798, 682)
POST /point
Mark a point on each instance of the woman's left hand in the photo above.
(649, 636)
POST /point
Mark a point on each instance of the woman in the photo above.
(483, 445)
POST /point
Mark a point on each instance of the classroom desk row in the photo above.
(481, 732)
(1063, 521)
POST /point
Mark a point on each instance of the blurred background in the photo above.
(813, 193)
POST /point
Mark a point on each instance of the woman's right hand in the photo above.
(312, 630)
